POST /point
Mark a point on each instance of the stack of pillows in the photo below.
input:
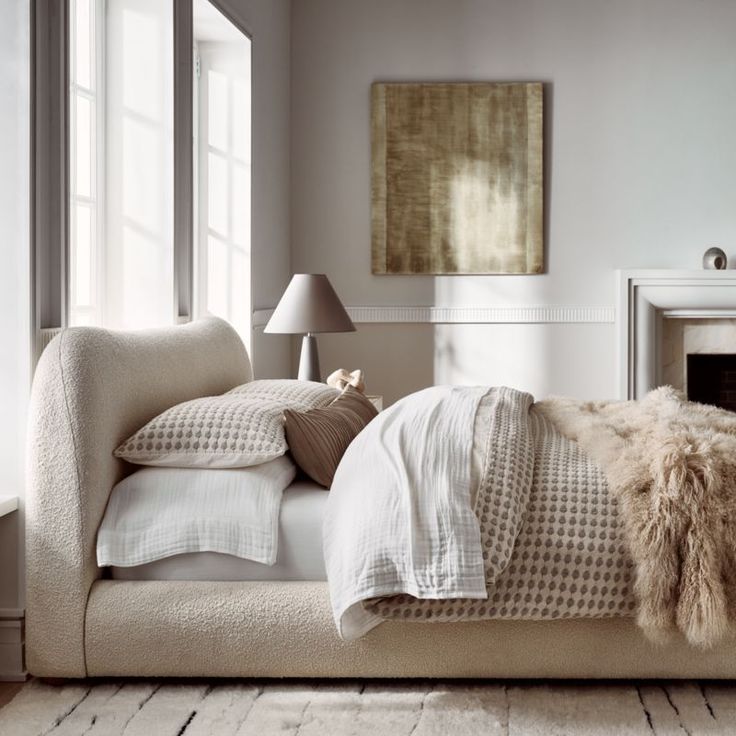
(254, 424)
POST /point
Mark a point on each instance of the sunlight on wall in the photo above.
(531, 357)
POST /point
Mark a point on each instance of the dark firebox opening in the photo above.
(711, 379)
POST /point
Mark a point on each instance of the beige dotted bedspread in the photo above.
(552, 536)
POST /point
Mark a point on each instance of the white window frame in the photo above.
(95, 311)
(51, 204)
(202, 64)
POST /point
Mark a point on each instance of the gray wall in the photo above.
(640, 112)
(268, 22)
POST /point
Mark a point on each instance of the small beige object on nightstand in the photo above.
(377, 401)
(341, 378)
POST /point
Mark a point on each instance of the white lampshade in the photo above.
(309, 305)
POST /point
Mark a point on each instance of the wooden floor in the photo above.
(8, 691)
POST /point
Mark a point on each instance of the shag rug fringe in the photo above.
(672, 466)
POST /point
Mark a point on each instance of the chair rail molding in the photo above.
(540, 314)
(645, 298)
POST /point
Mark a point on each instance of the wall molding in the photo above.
(540, 314)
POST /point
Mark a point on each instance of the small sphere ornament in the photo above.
(715, 259)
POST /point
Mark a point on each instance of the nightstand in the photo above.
(377, 401)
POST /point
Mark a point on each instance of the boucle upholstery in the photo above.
(285, 629)
(92, 389)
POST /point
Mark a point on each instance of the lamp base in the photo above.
(309, 360)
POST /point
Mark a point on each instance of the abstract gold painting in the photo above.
(457, 178)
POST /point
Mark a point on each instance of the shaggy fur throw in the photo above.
(672, 466)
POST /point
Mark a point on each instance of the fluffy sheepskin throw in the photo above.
(672, 465)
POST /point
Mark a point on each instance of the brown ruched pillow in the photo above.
(318, 438)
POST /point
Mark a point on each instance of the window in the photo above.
(120, 163)
(138, 280)
(86, 155)
(222, 104)
(127, 194)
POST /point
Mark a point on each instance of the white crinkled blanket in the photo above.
(412, 533)
(399, 517)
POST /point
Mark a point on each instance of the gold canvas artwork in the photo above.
(457, 178)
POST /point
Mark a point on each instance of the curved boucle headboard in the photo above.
(92, 389)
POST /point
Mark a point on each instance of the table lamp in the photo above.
(309, 305)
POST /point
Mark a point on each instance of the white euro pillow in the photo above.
(160, 512)
(238, 429)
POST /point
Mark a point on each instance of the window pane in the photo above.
(240, 290)
(141, 288)
(217, 119)
(240, 205)
(217, 286)
(142, 173)
(143, 30)
(138, 288)
(84, 150)
(222, 99)
(83, 318)
(218, 198)
(126, 278)
(241, 120)
(84, 47)
(82, 256)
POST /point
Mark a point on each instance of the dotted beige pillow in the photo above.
(318, 438)
(235, 430)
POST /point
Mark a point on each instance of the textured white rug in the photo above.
(372, 708)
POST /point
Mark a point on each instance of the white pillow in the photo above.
(159, 512)
(240, 428)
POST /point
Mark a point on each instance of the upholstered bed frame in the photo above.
(92, 389)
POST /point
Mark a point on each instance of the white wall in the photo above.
(268, 22)
(14, 275)
(640, 114)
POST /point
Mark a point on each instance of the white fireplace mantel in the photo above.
(645, 297)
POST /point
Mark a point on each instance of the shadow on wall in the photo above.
(397, 359)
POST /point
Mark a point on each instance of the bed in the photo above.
(92, 389)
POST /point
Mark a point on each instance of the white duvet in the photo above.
(160, 512)
(407, 525)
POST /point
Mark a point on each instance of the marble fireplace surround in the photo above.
(645, 299)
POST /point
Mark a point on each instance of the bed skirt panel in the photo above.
(276, 629)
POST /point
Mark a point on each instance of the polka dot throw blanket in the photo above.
(552, 537)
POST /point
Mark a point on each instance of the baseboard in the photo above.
(12, 641)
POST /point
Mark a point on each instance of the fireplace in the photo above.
(711, 379)
(664, 316)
